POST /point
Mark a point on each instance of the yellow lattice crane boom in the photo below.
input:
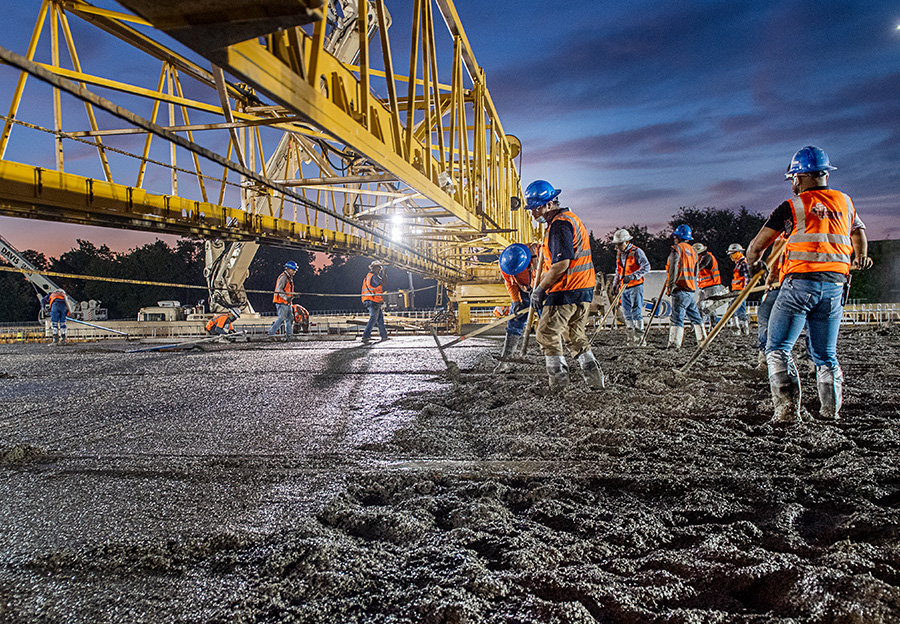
(328, 147)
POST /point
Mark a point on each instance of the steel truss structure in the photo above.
(316, 141)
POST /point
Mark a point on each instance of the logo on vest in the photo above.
(821, 211)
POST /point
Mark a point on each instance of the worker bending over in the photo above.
(223, 323)
(517, 270)
(565, 290)
(631, 266)
(826, 239)
(59, 310)
(681, 286)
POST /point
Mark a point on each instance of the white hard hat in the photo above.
(734, 248)
(699, 247)
(235, 311)
(60, 291)
(621, 236)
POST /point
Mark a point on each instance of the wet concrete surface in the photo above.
(330, 482)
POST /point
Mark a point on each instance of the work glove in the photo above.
(626, 279)
(758, 266)
(517, 306)
(537, 298)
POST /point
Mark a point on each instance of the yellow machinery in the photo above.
(315, 143)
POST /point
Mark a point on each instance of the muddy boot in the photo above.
(510, 346)
(558, 371)
(590, 368)
(639, 333)
(62, 338)
(54, 340)
(699, 334)
(629, 336)
(745, 327)
(830, 382)
(676, 336)
(785, 385)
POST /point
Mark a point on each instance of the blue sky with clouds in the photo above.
(635, 109)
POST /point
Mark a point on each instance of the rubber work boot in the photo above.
(676, 336)
(55, 340)
(510, 346)
(590, 368)
(700, 333)
(62, 339)
(785, 385)
(745, 327)
(830, 382)
(761, 361)
(558, 371)
(639, 333)
(629, 336)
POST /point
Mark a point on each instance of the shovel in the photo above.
(653, 314)
(452, 368)
(612, 307)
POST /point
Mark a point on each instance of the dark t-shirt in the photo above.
(559, 240)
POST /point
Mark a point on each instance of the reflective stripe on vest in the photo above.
(631, 266)
(288, 289)
(738, 280)
(820, 240)
(369, 292)
(710, 276)
(686, 277)
(217, 321)
(580, 273)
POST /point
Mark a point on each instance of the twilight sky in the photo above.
(637, 111)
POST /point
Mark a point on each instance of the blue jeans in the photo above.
(684, 303)
(763, 312)
(286, 317)
(375, 316)
(514, 326)
(58, 317)
(800, 301)
(741, 312)
(633, 302)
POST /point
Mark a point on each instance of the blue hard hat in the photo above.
(809, 160)
(540, 192)
(290, 264)
(683, 232)
(515, 258)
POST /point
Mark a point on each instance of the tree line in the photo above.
(716, 228)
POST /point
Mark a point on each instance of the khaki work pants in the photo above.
(563, 325)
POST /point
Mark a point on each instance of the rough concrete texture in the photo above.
(325, 482)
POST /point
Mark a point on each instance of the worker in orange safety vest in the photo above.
(223, 323)
(709, 280)
(565, 289)
(517, 270)
(631, 267)
(826, 239)
(681, 286)
(284, 293)
(59, 310)
(740, 277)
(372, 289)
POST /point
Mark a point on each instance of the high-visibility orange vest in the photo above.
(686, 278)
(219, 321)
(512, 283)
(738, 279)
(56, 297)
(631, 265)
(580, 273)
(372, 293)
(288, 289)
(820, 240)
(710, 275)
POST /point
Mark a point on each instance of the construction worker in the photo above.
(372, 288)
(681, 286)
(517, 269)
(301, 317)
(740, 277)
(59, 310)
(710, 283)
(631, 266)
(565, 289)
(824, 233)
(223, 323)
(284, 293)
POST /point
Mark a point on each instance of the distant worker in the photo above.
(301, 317)
(824, 234)
(565, 289)
(222, 324)
(710, 283)
(517, 270)
(631, 267)
(284, 293)
(59, 310)
(740, 277)
(681, 286)
(372, 288)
